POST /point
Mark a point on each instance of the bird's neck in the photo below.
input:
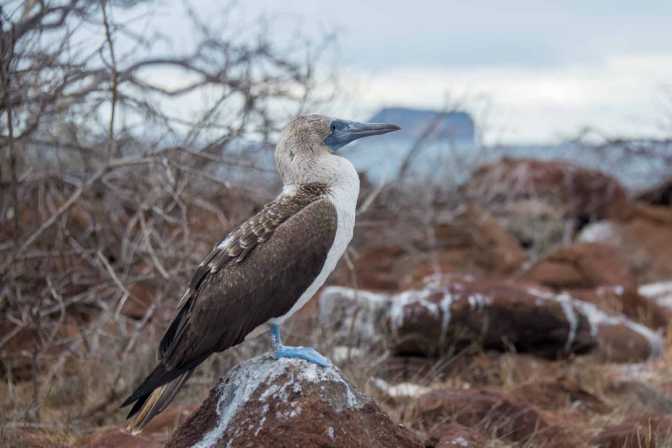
(334, 172)
(344, 185)
(338, 176)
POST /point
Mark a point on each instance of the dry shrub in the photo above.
(107, 201)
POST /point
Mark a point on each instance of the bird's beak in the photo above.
(349, 131)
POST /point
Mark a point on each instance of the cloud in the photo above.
(547, 68)
(622, 97)
(379, 34)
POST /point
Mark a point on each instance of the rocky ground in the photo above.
(529, 309)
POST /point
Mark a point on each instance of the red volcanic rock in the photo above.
(642, 432)
(659, 195)
(289, 403)
(658, 295)
(555, 394)
(476, 232)
(543, 203)
(582, 265)
(471, 241)
(631, 303)
(168, 420)
(581, 193)
(491, 412)
(454, 310)
(379, 267)
(644, 239)
(598, 273)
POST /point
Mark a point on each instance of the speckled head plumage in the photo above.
(306, 133)
(310, 140)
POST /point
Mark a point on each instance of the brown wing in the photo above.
(238, 289)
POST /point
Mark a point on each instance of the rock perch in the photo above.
(266, 402)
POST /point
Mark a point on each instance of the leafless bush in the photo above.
(107, 198)
(651, 157)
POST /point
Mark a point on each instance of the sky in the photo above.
(529, 71)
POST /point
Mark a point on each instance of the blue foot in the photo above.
(307, 353)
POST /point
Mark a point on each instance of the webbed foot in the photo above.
(306, 353)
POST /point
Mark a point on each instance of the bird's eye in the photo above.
(333, 127)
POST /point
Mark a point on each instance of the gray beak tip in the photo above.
(381, 128)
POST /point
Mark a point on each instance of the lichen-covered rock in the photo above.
(451, 311)
(457, 311)
(266, 402)
(660, 293)
(616, 300)
(353, 317)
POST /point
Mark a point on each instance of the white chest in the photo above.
(343, 195)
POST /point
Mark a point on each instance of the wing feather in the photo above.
(227, 299)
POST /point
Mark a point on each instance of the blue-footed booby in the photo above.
(268, 267)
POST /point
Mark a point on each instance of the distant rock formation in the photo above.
(453, 126)
(266, 402)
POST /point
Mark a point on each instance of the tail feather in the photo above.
(155, 379)
(159, 376)
(149, 405)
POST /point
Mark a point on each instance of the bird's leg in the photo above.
(307, 353)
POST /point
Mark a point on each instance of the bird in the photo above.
(267, 267)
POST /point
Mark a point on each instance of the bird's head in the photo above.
(310, 140)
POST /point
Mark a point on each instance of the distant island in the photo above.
(453, 126)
